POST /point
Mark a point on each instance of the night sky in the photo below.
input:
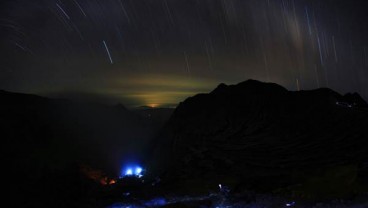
(158, 52)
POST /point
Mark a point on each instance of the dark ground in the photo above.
(265, 144)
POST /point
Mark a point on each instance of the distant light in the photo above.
(138, 171)
(129, 172)
(220, 186)
(132, 170)
(290, 204)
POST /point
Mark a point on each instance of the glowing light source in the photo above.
(132, 170)
(129, 172)
(138, 171)
(290, 204)
(153, 105)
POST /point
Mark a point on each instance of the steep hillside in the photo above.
(46, 141)
(257, 129)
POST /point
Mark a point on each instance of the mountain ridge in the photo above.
(263, 125)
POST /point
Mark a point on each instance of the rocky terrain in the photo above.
(261, 136)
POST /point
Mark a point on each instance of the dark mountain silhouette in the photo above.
(156, 116)
(250, 136)
(44, 141)
(261, 130)
(99, 130)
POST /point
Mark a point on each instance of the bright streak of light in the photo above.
(108, 52)
(308, 19)
(124, 10)
(320, 50)
(80, 8)
(62, 10)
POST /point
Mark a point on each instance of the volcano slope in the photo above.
(262, 136)
(46, 142)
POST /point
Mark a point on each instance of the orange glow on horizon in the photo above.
(153, 105)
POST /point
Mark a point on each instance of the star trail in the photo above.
(120, 48)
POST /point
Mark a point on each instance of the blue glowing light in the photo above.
(129, 172)
(138, 171)
(156, 202)
(132, 170)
